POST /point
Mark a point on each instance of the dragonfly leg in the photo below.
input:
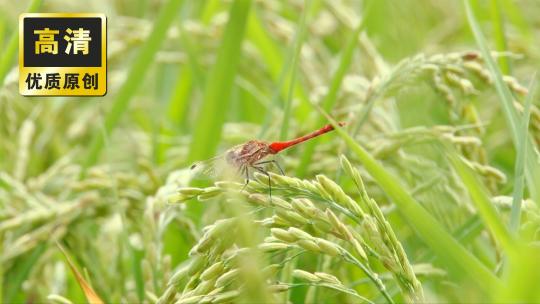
(273, 161)
(278, 166)
(245, 169)
(269, 180)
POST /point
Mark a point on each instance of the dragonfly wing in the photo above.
(216, 167)
(205, 169)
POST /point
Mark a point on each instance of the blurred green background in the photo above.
(189, 79)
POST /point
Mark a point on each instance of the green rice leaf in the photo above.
(532, 167)
(480, 198)
(217, 95)
(517, 194)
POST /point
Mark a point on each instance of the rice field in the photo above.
(427, 192)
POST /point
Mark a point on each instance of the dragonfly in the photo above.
(254, 155)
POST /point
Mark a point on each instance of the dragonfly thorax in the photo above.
(248, 153)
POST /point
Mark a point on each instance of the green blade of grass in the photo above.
(480, 198)
(20, 272)
(278, 67)
(516, 18)
(519, 176)
(134, 79)
(447, 249)
(522, 277)
(497, 20)
(3, 29)
(210, 9)
(269, 50)
(532, 168)
(190, 78)
(179, 102)
(219, 85)
(298, 41)
(11, 49)
(331, 96)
